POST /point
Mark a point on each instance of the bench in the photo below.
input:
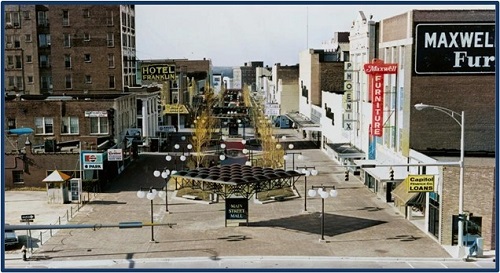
(191, 197)
(278, 197)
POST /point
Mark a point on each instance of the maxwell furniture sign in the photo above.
(376, 71)
(455, 48)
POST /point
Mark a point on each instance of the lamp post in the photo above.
(323, 194)
(306, 172)
(165, 175)
(290, 146)
(455, 115)
(150, 195)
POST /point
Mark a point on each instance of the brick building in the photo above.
(69, 49)
(63, 126)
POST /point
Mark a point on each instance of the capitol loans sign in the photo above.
(461, 48)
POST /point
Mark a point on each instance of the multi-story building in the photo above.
(431, 52)
(286, 80)
(69, 49)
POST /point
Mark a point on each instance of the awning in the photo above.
(346, 150)
(401, 193)
(302, 122)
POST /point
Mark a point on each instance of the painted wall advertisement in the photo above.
(455, 48)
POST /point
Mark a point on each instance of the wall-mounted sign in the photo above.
(376, 70)
(455, 48)
(175, 109)
(96, 114)
(420, 183)
(158, 72)
(115, 155)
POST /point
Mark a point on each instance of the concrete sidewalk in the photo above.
(357, 224)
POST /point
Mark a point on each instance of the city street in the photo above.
(358, 227)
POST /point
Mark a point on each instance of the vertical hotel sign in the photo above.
(376, 71)
(347, 98)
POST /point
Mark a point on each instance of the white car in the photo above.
(10, 236)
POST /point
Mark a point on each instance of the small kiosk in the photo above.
(57, 187)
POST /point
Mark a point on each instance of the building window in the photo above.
(87, 58)
(68, 81)
(44, 61)
(99, 125)
(11, 123)
(11, 81)
(88, 79)
(19, 61)
(44, 125)
(111, 60)
(45, 82)
(27, 38)
(19, 83)
(26, 15)
(86, 36)
(44, 40)
(110, 39)
(86, 13)
(65, 18)
(43, 18)
(12, 19)
(10, 61)
(109, 17)
(30, 79)
(17, 41)
(112, 82)
(17, 177)
(69, 125)
(67, 40)
(67, 61)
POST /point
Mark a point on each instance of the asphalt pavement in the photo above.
(360, 230)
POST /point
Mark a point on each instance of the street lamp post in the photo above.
(150, 195)
(306, 172)
(323, 194)
(455, 115)
(165, 175)
(290, 146)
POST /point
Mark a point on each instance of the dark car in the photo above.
(10, 236)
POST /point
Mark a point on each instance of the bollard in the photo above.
(23, 249)
(67, 216)
(59, 219)
(71, 212)
(41, 238)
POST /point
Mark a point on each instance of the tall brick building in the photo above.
(69, 49)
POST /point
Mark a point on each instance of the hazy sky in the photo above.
(233, 34)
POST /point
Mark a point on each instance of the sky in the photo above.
(233, 34)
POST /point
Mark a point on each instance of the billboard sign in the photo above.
(92, 161)
(158, 72)
(420, 183)
(467, 48)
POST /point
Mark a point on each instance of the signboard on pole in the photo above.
(420, 183)
(236, 210)
(92, 161)
(115, 155)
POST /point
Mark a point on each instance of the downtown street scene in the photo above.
(373, 150)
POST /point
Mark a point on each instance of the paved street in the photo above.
(360, 230)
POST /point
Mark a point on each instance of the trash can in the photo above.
(480, 245)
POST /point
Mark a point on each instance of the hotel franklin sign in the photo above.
(158, 72)
(455, 48)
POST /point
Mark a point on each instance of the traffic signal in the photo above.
(391, 174)
(346, 175)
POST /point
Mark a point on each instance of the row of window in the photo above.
(69, 125)
(68, 79)
(15, 61)
(14, 41)
(13, 18)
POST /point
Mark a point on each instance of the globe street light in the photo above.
(455, 115)
(150, 195)
(165, 175)
(323, 194)
(306, 172)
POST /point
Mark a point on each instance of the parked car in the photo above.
(10, 236)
